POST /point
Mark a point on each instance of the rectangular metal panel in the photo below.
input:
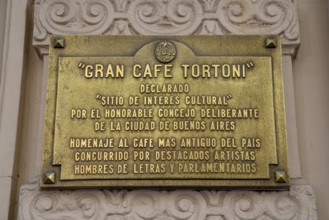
(192, 111)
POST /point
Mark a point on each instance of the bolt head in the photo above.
(280, 177)
(49, 178)
(271, 43)
(59, 43)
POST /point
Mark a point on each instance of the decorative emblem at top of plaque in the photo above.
(165, 51)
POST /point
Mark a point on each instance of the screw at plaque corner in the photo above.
(59, 43)
(271, 43)
(280, 177)
(49, 178)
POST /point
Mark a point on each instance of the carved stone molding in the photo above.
(296, 204)
(166, 17)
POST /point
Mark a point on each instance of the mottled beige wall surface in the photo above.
(3, 6)
(311, 81)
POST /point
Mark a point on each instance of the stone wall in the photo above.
(170, 17)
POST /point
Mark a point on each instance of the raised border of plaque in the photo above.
(165, 111)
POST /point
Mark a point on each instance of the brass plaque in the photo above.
(142, 111)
